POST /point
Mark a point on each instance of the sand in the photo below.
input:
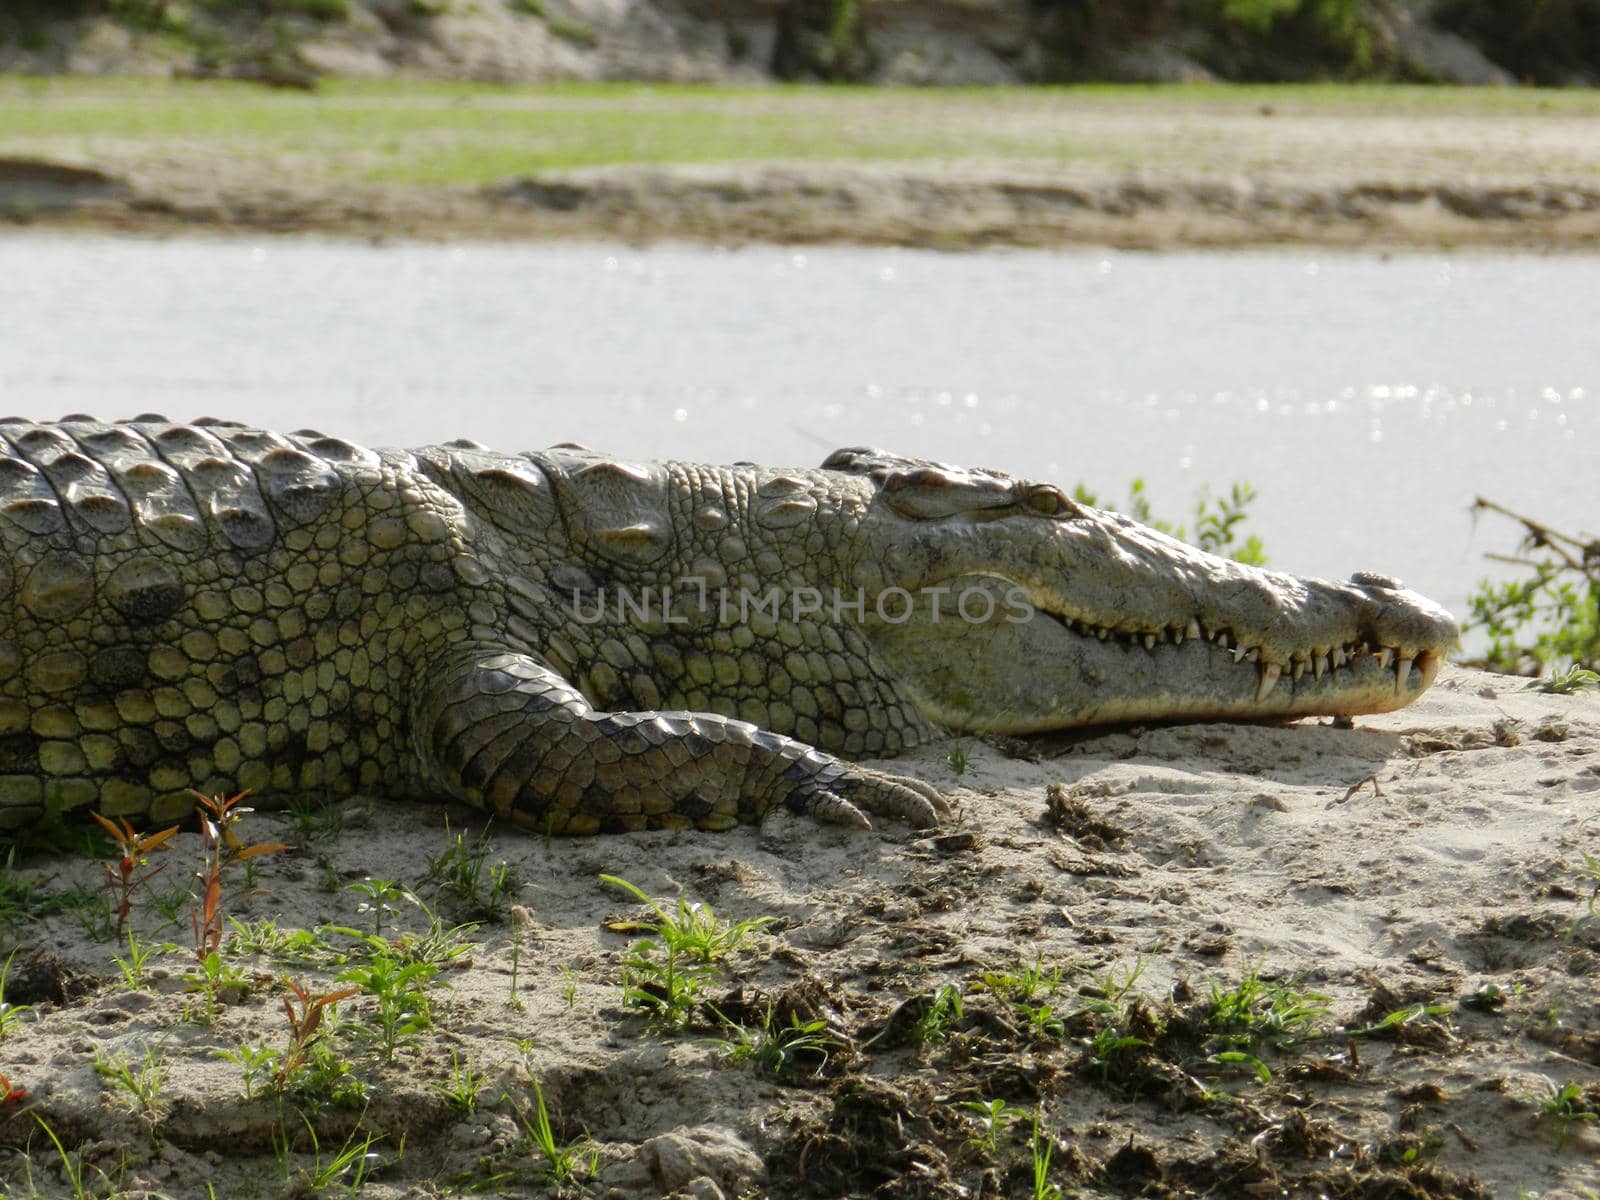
(1424, 872)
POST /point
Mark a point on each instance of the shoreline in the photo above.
(1150, 168)
(823, 203)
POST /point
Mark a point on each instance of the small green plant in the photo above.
(956, 757)
(217, 979)
(1563, 682)
(1567, 1107)
(142, 1083)
(1027, 987)
(139, 954)
(254, 1062)
(563, 1164)
(521, 924)
(466, 873)
(379, 893)
(779, 1050)
(1392, 1023)
(315, 821)
(10, 1014)
(525, 1046)
(994, 1118)
(348, 1171)
(399, 989)
(1257, 1011)
(130, 872)
(1111, 994)
(664, 974)
(1106, 1044)
(569, 987)
(663, 983)
(943, 1009)
(72, 1166)
(329, 1078)
(693, 928)
(437, 945)
(1022, 983)
(300, 946)
(465, 1085)
(170, 904)
(1239, 1060)
(1041, 1148)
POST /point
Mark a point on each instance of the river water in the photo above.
(1367, 398)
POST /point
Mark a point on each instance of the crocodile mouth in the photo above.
(1362, 662)
(1058, 667)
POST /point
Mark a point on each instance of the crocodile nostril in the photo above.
(1373, 579)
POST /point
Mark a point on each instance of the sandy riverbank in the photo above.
(832, 204)
(1126, 167)
(1423, 873)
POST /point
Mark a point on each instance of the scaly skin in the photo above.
(584, 645)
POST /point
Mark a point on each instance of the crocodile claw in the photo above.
(840, 792)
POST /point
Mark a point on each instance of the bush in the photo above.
(1237, 39)
(1548, 618)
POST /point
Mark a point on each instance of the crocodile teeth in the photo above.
(1149, 641)
(1319, 665)
(1402, 668)
(1238, 654)
(1386, 658)
(1193, 629)
(1339, 657)
(1297, 668)
(1269, 680)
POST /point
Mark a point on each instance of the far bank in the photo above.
(1194, 165)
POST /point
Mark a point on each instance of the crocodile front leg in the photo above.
(507, 733)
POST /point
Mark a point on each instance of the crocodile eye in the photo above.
(1049, 502)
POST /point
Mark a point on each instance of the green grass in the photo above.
(464, 133)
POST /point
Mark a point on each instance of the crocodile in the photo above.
(583, 644)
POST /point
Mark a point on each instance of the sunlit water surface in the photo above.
(1368, 399)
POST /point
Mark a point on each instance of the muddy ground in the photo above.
(1410, 897)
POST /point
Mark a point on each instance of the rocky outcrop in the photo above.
(34, 187)
(951, 42)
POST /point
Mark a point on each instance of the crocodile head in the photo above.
(1004, 606)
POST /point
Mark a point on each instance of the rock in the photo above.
(1426, 52)
(688, 1158)
(1154, 62)
(30, 186)
(1442, 57)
